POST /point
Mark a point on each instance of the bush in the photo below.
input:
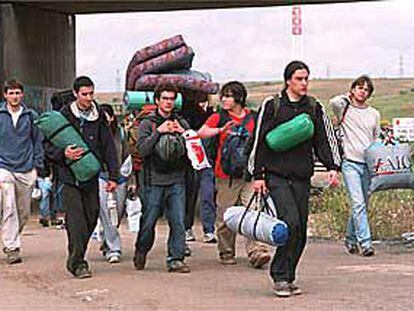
(390, 214)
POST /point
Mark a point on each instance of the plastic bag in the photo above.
(195, 150)
(133, 207)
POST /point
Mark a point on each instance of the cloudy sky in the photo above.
(339, 40)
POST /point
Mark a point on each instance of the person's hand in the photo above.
(259, 186)
(73, 153)
(227, 126)
(165, 127)
(111, 186)
(177, 127)
(333, 178)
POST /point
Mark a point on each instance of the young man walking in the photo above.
(81, 200)
(286, 174)
(21, 155)
(231, 188)
(359, 125)
(163, 151)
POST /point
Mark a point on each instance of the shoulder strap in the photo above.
(276, 104)
(223, 118)
(345, 111)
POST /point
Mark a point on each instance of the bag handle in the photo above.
(239, 229)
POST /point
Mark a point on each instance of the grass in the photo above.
(390, 214)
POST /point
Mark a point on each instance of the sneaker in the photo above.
(57, 222)
(187, 250)
(13, 256)
(228, 260)
(189, 235)
(82, 272)
(368, 252)
(294, 289)
(282, 289)
(259, 259)
(178, 267)
(114, 258)
(209, 238)
(44, 222)
(351, 248)
(139, 261)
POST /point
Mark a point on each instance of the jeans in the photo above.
(45, 185)
(208, 200)
(111, 236)
(155, 199)
(356, 179)
(192, 185)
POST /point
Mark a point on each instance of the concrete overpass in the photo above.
(37, 37)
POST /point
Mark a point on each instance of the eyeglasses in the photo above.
(226, 95)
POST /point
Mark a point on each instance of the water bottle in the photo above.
(112, 209)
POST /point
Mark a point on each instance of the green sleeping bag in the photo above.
(291, 133)
(58, 130)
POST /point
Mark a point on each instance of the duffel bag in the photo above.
(60, 132)
(291, 133)
(259, 225)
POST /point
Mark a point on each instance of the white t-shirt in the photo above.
(15, 115)
(360, 128)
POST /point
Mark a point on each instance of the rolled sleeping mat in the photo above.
(291, 133)
(60, 132)
(180, 58)
(137, 100)
(155, 50)
(256, 225)
(148, 82)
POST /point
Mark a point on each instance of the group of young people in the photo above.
(168, 183)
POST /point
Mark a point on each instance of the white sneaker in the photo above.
(189, 235)
(114, 258)
(209, 238)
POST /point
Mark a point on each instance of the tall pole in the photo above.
(297, 33)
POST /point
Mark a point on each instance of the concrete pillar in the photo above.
(37, 47)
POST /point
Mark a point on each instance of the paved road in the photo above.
(331, 279)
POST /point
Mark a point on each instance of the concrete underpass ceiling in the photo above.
(111, 6)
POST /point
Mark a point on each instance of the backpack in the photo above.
(170, 148)
(234, 156)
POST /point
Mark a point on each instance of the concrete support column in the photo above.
(37, 47)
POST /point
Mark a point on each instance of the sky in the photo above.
(255, 44)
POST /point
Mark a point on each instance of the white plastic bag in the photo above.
(133, 207)
(195, 150)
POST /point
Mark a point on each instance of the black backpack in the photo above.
(234, 157)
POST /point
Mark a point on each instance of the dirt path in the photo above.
(331, 279)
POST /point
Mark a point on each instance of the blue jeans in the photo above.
(356, 179)
(45, 186)
(208, 200)
(111, 236)
(171, 200)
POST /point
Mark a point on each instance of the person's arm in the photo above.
(109, 152)
(337, 105)
(210, 127)
(257, 162)
(38, 156)
(324, 141)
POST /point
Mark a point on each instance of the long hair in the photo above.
(110, 111)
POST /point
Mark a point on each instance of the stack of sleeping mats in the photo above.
(168, 61)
